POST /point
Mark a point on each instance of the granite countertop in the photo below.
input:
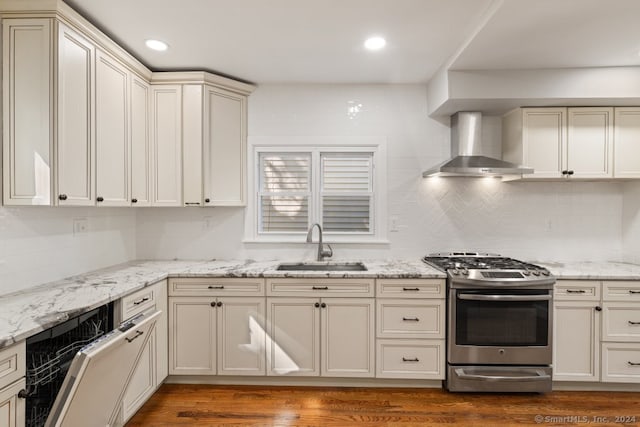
(27, 312)
(592, 270)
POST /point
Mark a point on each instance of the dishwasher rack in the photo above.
(49, 355)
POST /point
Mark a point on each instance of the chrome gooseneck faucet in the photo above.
(322, 254)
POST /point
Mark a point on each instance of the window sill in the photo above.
(304, 242)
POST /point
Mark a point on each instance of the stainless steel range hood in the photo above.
(468, 154)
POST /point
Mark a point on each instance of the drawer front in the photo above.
(621, 362)
(139, 301)
(621, 291)
(12, 363)
(216, 287)
(408, 288)
(577, 290)
(410, 318)
(621, 322)
(320, 287)
(410, 359)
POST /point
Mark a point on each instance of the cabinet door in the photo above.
(143, 380)
(27, 111)
(75, 140)
(225, 143)
(112, 132)
(348, 337)
(166, 128)
(162, 335)
(241, 336)
(12, 408)
(626, 162)
(293, 336)
(192, 336)
(544, 139)
(140, 143)
(590, 142)
(192, 145)
(576, 341)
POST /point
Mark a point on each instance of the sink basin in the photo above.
(334, 266)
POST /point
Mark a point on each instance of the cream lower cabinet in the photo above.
(621, 332)
(12, 381)
(320, 327)
(410, 328)
(151, 369)
(576, 330)
(216, 332)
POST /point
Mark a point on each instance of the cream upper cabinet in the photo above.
(589, 142)
(140, 141)
(46, 161)
(536, 137)
(215, 139)
(112, 132)
(75, 113)
(166, 136)
(626, 156)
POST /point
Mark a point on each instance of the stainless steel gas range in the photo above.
(499, 322)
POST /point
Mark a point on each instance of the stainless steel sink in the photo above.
(333, 266)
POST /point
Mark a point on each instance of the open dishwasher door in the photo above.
(99, 374)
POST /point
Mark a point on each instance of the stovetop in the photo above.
(489, 269)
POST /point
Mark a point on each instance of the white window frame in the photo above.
(316, 145)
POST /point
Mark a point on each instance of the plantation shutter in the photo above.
(285, 189)
(347, 192)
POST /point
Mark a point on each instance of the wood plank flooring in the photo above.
(207, 405)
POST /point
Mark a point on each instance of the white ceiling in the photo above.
(320, 41)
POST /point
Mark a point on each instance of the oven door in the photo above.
(500, 326)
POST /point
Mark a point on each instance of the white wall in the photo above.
(631, 222)
(539, 221)
(38, 245)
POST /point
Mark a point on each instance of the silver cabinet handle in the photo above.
(482, 297)
(460, 372)
(138, 333)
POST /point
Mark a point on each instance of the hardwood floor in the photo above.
(206, 405)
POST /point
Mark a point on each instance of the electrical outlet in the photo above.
(80, 226)
(393, 223)
(207, 222)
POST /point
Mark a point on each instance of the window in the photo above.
(297, 186)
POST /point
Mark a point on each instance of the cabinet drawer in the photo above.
(139, 301)
(621, 291)
(577, 290)
(410, 359)
(216, 287)
(320, 287)
(12, 363)
(621, 362)
(405, 318)
(621, 322)
(408, 288)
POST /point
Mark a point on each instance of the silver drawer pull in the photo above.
(633, 323)
(138, 333)
(411, 289)
(633, 364)
(576, 291)
(483, 297)
(216, 287)
(410, 319)
(320, 288)
(414, 359)
(540, 375)
(140, 301)
(634, 292)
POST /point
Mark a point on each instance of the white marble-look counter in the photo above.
(596, 270)
(25, 313)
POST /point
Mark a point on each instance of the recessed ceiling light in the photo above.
(156, 45)
(375, 43)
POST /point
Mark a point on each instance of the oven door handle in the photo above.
(483, 297)
(542, 376)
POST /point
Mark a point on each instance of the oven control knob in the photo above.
(455, 271)
(536, 272)
(501, 351)
(464, 271)
(545, 273)
(526, 272)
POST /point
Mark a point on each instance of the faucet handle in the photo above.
(327, 254)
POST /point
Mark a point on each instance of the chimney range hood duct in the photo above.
(467, 152)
